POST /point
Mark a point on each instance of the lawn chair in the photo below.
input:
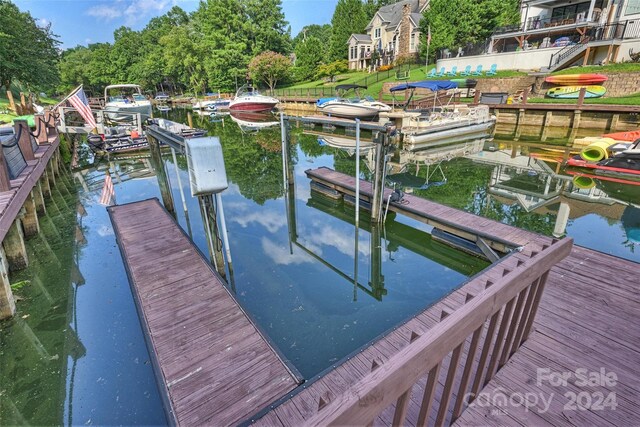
(492, 71)
(478, 71)
(467, 71)
(433, 73)
(441, 73)
(453, 72)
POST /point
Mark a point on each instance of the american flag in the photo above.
(108, 196)
(81, 103)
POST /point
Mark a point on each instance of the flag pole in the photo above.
(66, 97)
(426, 65)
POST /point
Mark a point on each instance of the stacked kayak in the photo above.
(630, 136)
(577, 79)
(573, 92)
(571, 84)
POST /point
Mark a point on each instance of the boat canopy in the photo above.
(434, 85)
(349, 87)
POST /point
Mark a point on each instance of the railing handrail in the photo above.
(394, 380)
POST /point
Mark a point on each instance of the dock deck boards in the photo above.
(214, 365)
(587, 319)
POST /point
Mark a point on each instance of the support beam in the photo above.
(587, 53)
(7, 302)
(30, 223)
(44, 184)
(14, 247)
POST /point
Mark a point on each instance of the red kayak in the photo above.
(578, 162)
(630, 136)
(576, 79)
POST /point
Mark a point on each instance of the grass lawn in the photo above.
(7, 116)
(622, 100)
(621, 67)
(341, 79)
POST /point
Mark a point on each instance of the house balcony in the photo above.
(539, 26)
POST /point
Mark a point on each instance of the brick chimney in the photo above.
(404, 38)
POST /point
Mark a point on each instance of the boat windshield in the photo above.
(139, 97)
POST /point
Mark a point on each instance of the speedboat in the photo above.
(351, 108)
(249, 99)
(161, 96)
(124, 101)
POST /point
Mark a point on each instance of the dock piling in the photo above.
(30, 223)
(14, 247)
(21, 127)
(7, 303)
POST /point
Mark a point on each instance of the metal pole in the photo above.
(223, 226)
(175, 162)
(357, 173)
(283, 134)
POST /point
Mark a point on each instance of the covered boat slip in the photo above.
(584, 320)
(212, 364)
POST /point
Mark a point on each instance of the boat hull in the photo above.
(118, 112)
(252, 106)
(350, 111)
(576, 79)
(448, 134)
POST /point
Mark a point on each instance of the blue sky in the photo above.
(90, 21)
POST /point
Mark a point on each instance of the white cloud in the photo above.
(104, 12)
(43, 22)
(270, 220)
(133, 11)
(281, 255)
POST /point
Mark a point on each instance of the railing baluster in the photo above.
(528, 305)
(495, 354)
(448, 385)
(513, 324)
(536, 303)
(401, 408)
(427, 398)
(466, 373)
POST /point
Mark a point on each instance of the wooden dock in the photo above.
(213, 365)
(585, 320)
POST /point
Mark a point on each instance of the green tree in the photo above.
(28, 52)
(267, 29)
(332, 69)
(269, 67)
(309, 55)
(321, 32)
(348, 18)
(183, 58)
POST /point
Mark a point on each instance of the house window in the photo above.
(376, 33)
(412, 45)
(633, 7)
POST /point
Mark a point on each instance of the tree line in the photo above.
(214, 47)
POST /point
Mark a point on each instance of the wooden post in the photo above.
(585, 61)
(5, 181)
(41, 129)
(161, 174)
(12, 104)
(23, 102)
(44, 180)
(190, 119)
(7, 303)
(38, 198)
(30, 223)
(583, 92)
(613, 124)
(50, 175)
(14, 247)
(25, 139)
(525, 95)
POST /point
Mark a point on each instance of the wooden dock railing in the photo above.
(508, 305)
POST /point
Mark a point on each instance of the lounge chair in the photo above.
(432, 73)
(492, 71)
(478, 71)
(441, 73)
(453, 72)
(467, 71)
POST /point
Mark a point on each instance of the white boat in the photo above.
(249, 99)
(352, 108)
(439, 124)
(345, 143)
(124, 101)
(161, 96)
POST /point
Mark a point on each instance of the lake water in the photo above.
(75, 353)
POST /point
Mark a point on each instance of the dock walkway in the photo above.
(213, 365)
(585, 320)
